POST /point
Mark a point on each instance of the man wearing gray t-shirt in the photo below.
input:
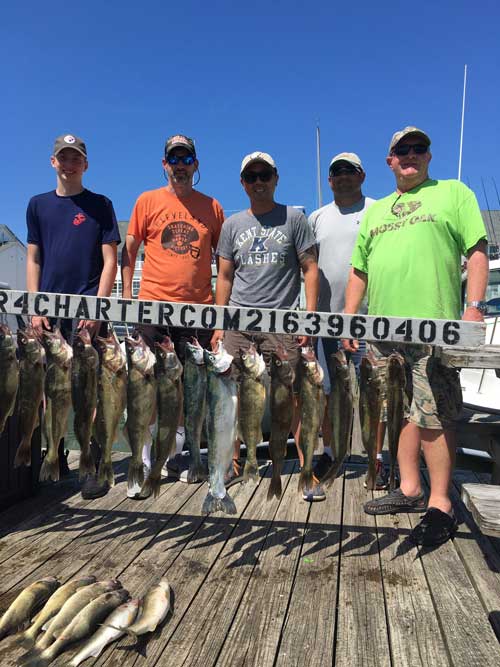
(336, 227)
(261, 253)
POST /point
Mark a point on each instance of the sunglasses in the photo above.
(175, 159)
(343, 170)
(252, 176)
(418, 149)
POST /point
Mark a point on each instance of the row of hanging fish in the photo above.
(50, 617)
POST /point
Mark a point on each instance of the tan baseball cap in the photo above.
(257, 156)
(351, 158)
(406, 132)
(70, 141)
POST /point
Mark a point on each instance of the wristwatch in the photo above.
(482, 306)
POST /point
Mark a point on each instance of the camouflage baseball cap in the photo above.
(350, 158)
(406, 132)
(70, 141)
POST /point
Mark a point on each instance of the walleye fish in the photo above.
(84, 395)
(26, 603)
(83, 624)
(252, 396)
(340, 412)
(111, 401)
(312, 400)
(71, 608)
(222, 404)
(195, 391)
(58, 396)
(154, 609)
(369, 413)
(281, 400)
(168, 372)
(396, 382)
(31, 382)
(51, 608)
(141, 401)
(9, 375)
(112, 628)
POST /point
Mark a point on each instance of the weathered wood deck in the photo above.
(282, 583)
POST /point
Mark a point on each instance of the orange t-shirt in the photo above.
(178, 235)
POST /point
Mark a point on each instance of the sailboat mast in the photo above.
(462, 127)
(318, 166)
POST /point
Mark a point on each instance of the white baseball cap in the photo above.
(257, 156)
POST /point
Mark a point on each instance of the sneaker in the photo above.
(234, 474)
(91, 488)
(436, 527)
(134, 490)
(175, 466)
(382, 478)
(323, 465)
(315, 493)
(396, 501)
(183, 477)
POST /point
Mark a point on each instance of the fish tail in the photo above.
(23, 454)
(49, 469)
(151, 486)
(87, 465)
(275, 489)
(196, 473)
(331, 474)
(212, 504)
(135, 472)
(26, 639)
(106, 473)
(38, 660)
(251, 471)
(305, 480)
(132, 634)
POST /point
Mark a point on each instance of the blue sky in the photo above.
(125, 75)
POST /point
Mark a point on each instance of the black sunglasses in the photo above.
(252, 176)
(418, 149)
(175, 159)
(336, 171)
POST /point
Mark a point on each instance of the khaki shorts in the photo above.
(433, 394)
(265, 344)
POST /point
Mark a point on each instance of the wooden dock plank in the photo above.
(309, 628)
(186, 558)
(361, 633)
(198, 639)
(256, 628)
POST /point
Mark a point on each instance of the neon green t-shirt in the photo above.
(410, 246)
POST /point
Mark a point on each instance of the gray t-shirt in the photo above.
(264, 249)
(336, 228)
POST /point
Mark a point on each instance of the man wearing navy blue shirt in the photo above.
(72, 249)
(72, 233)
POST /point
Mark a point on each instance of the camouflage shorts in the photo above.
(433, 394)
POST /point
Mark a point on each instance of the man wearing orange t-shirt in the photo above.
(180, 229)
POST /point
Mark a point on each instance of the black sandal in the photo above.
(436, 528)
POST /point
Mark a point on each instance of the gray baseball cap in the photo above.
(406, 132)
(350, 158)
(180, 141)
(70, 141)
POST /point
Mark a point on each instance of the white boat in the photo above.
(481, 387)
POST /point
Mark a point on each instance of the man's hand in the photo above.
(39, 324)
(350, 344)
(217, 336)
(472, 314)
(304, 341)
(92, 326)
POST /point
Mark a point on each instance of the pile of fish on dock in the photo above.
(50, 617)
(101, 380)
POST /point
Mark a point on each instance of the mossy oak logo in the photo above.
(179, 237)
(402, 209)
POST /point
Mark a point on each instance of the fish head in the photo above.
(194, 352)
(253, 362)
(139, 356)
(28, 345)
(396, 373)
(218, 362)
(311, 368)
(280, 366)
(166, 357)
(56, 347)
(110, 351)
(6, 338)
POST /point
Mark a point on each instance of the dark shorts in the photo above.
(155, 334)
(234, 341)
(433, 394)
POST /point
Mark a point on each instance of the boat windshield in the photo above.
(493, 293)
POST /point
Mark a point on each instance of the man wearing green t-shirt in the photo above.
(408, 258)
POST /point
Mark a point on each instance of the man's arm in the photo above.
(223, 288)
(33, 273)
(354, 293)
(477, 279)
(129, 255)
(308, 260)
(106, 282)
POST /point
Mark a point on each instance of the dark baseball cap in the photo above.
(70, 141)
(180, 141)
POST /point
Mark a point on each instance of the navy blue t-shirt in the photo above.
(70, 232)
